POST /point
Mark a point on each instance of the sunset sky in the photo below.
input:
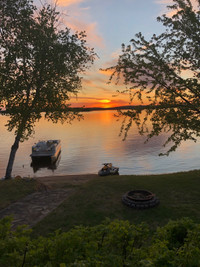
(108, 24)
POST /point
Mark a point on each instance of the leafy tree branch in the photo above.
(40, 66)
(165, 70)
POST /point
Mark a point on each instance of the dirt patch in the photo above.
(61, 181)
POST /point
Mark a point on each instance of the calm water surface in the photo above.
(88, 143)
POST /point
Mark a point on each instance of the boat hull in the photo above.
(45, 155)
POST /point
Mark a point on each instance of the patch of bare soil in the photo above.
(61, 181)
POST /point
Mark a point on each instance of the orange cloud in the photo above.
(116, 54)
(114, 82)
(97, 84)
(170, 13)
(106, 72)
(68, 2)
(164, 2)
(88, 82)
(78, 19)
(93, 37)
(169, 2)
(91, 83)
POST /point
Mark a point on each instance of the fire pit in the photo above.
(140, 199)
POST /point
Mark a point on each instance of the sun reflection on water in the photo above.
(87, 143)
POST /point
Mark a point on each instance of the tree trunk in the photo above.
(12, 157)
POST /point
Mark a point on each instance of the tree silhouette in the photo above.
(166, 71)
(40, 66)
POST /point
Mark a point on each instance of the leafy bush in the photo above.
(112, 243)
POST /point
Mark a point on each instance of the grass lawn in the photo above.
(13, 189)
(92, 202)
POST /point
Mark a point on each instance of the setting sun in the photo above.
(104, 101)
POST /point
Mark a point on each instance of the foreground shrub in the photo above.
(112, 243)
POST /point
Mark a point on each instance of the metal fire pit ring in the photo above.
(140, 199)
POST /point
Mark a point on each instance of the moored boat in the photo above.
(49, 149)
(108, 169)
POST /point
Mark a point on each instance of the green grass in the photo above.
(91, 203)
(13, 189)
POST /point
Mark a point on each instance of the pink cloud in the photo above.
(98, 80)
(164, 2)
(116, 54)
(170, 13)
(68, 2)
(94, 84)
(78, 19)
(93, 37)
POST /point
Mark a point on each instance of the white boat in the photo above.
(49, 149)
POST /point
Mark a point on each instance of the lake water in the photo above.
(88, 143)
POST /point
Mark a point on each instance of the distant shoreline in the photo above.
(112, 108)
(138, 107)
(84, 109)
(134, 107)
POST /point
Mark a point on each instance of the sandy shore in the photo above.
(58, 181)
